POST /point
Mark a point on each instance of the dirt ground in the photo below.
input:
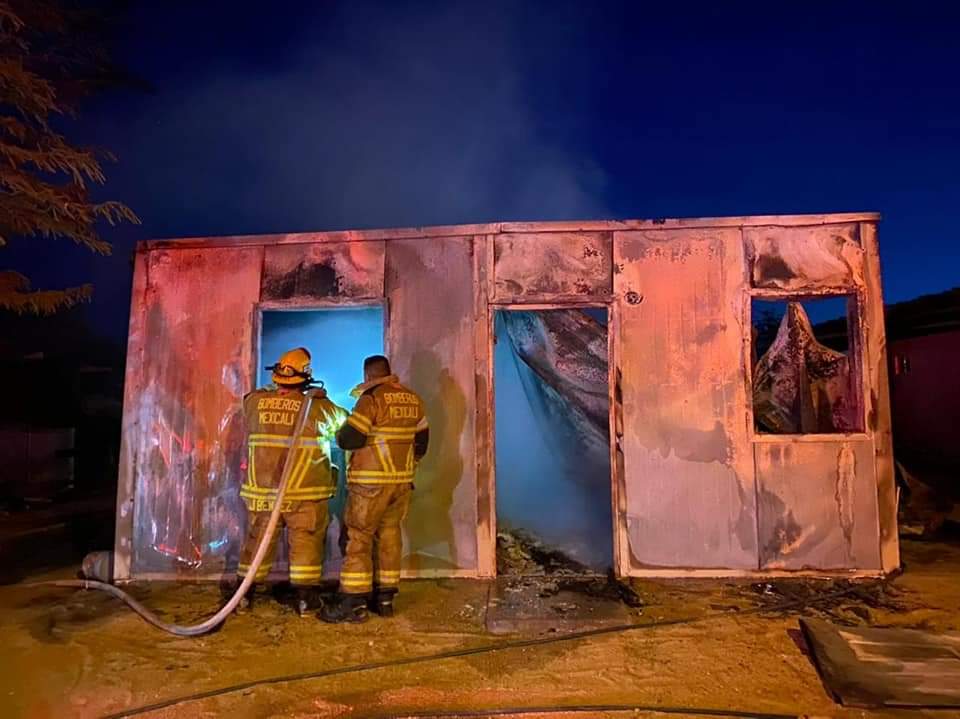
(82, 654)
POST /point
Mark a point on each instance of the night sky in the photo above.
(317, 116)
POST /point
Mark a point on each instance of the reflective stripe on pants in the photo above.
(306, 524)
(372, 519)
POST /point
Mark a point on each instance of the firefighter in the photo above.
(387, 434)
(271, 416)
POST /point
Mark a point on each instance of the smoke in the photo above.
(377, 118)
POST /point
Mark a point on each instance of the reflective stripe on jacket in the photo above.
(271, 418)
(389, 416)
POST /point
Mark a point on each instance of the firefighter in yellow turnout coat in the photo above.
(271, 416)
(388, 435)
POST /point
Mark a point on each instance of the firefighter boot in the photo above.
(346, 608)
(228, 589)
(246, 601)
(306, 598)
(382, 602)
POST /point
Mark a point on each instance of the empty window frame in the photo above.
(805, 365)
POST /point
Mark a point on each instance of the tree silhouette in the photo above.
(766, 322)
(51, 57)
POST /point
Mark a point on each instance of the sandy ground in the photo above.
(81, 654)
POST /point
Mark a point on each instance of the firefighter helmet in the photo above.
(293, 368)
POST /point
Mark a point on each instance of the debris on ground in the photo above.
(844, 602)
(548, 589)
(609, 588)
(537, 577)
(929, 499)
(544, 605)
(520, 553)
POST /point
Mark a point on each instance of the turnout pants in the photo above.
(306, 523)
(374, 541)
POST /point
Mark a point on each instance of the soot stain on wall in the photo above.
(770, 269)
(305, 280)
(783, 532)
(697, 445)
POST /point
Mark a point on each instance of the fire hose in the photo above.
(218, 618)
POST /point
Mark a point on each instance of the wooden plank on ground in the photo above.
(872, 668)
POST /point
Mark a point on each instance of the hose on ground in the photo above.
(217, 619)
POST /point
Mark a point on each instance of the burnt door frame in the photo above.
(617, 498)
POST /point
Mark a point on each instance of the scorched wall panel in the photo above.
(187, 453)
(551, 266)
(813, 260)
(429, 287)
(323, 271)
(689, 483)
(817, 505)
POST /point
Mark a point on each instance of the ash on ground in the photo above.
(530, 567)
(522, 554)
(843, 602)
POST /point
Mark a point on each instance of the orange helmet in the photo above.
(293, 368)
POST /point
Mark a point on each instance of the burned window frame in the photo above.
(309, 305)
(856, 347)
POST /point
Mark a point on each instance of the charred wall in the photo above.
(189, 365)
(429, 286)
(820, 479)
(687, 455)
(694, 486)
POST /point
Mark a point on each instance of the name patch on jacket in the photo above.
(403, 405)
(278, 410)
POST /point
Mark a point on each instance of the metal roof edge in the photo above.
(440, 231)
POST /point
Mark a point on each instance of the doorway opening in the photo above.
(552, 441)
(338, 339)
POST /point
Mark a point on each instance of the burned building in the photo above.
(604, 386)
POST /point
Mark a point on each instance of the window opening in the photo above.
(805, 374)
(338, 340)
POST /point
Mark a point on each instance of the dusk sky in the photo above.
(318, 116)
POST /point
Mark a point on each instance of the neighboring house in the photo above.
(923, 344)
(923, 348)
